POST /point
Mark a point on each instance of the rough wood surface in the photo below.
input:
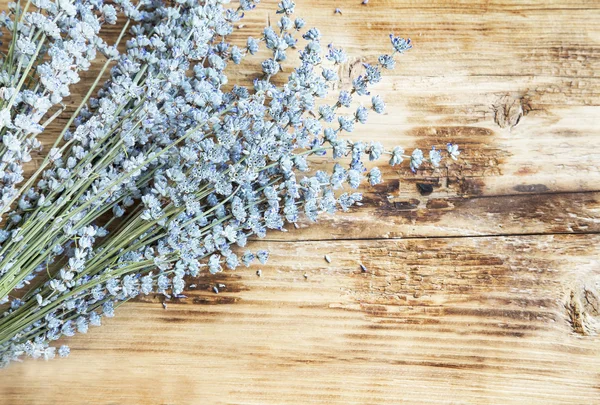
(484, 291)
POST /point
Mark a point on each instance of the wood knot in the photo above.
(583, 305)
(508, 112)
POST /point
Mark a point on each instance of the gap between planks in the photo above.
(374, 239)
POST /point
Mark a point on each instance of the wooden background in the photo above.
(486, 291)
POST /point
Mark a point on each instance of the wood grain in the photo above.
(485, 290)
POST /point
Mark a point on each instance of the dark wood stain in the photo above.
(216, 300)
(470, 186)
(531, 188)
(439, 204)
(425, 189)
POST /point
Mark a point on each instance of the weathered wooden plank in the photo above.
(388, 213)
(518, 89)
(514, 83)
(475, 320)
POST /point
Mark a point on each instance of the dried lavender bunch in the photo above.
(210, 167)
(50, 43)
(123, 111)
(48, 218)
